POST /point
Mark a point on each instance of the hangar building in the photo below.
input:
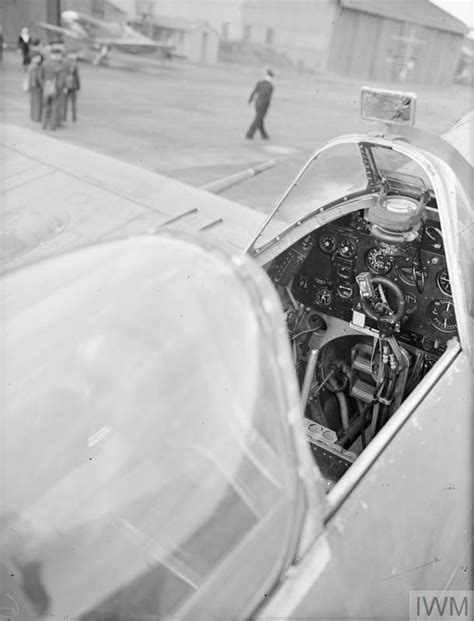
(225, 16)
(299, 29)
(195, 40)
(395, 40)
(385, 40)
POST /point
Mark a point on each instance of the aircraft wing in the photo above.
(97, 33)
(58, 197)
(132, 44)
(109, 33)
(65, 32)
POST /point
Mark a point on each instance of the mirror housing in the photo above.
(388, 106)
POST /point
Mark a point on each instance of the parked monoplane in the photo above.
(194, 433)
(85, 34)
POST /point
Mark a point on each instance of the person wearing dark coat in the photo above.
(52, 77)
(24, 41)
(73, 84)
(35, 88)
(263, 95)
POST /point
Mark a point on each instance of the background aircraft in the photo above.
(182, 468)
(83, 33)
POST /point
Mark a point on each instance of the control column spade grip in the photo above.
(373, 300)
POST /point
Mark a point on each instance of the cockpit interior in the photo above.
(369, 311)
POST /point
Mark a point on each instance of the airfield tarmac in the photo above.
(189, 122)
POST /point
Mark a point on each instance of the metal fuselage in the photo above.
(214, 494)
(399, 520)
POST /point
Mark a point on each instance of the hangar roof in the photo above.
(420, 12)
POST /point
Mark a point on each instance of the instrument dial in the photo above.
(378, 262)
(345, 290)
(441, 315)
(322, 296)
(442, 280)
(347, 248)
(327, 243)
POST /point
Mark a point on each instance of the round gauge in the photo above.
(411, 303)
(410, 276)
(322, 296)
(441, 315)
(345, 290)
(442, 280)
(347, 248)
(327, 243)
(378, 262)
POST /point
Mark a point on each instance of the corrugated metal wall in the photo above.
(389, 50)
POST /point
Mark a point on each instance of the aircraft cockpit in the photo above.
(365, 287)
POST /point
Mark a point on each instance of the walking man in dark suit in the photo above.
(263, 94)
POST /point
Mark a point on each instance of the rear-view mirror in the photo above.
(388, 106)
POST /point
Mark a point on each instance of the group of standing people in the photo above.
(52, 81)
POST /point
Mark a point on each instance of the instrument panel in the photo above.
(325, 279)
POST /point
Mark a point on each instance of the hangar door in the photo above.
(389, 50)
